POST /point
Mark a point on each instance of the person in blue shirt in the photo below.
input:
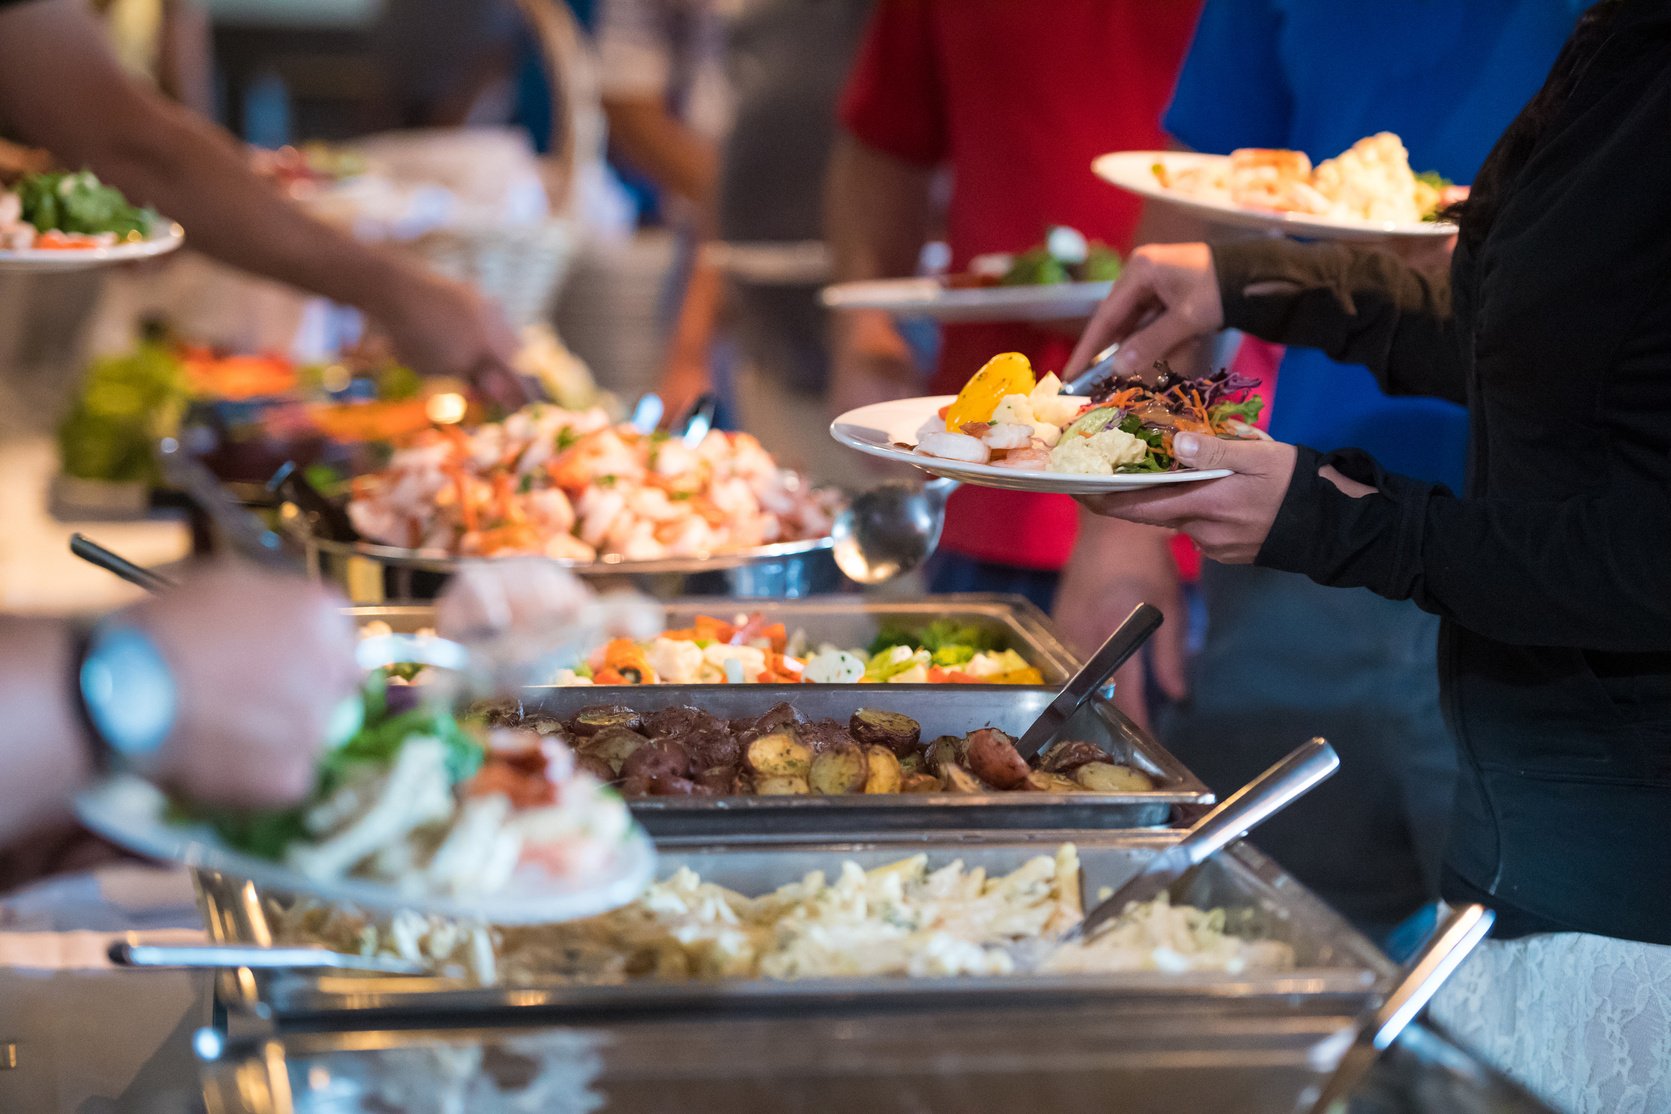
(1284, 658)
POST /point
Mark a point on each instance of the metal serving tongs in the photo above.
(1126, 640)
(108, 560)
(894, 527)
(1247, 808)
(1451, 943)
(212, 956)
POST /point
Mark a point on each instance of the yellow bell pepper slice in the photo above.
(1006, 374)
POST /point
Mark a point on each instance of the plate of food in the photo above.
(1009, 429)
(70, 221)
(417, 810)
(1367, 192)
(1062, 278)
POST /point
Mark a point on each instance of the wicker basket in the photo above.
(523, 268)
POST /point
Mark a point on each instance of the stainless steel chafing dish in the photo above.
(844, 620)
(942, 710)
(1338, 972)
(1110, 1060)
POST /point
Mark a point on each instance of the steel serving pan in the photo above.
(1096, 1060)
(942, 710)
(844, 620)
(369, 573)
(1338, 971)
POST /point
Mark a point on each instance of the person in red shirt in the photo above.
(1014, 101)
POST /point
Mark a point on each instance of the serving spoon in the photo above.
(889, 530)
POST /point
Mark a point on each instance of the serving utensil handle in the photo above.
(1126, 640)
(1260, 799)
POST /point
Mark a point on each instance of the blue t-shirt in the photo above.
(1318, 75)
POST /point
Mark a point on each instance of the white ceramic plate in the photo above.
(880, 428)
(132, 813)
(929, 297)
(161, 242)
(1134, 171)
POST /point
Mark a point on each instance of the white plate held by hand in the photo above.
(166, 238)
(133, 814)
(881, 428)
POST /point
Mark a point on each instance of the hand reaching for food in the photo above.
(442, 327)
(1166, 298)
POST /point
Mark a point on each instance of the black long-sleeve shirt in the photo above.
(1553, 571)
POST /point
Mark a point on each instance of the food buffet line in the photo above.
(876, 824)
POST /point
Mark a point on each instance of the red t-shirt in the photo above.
(1016, 97)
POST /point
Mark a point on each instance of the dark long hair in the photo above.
(1514, 147)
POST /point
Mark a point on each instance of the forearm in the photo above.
(646, 136)
(876, 220)
(41, 742)
(1359, 307)
(1587, 572)
(74, 100)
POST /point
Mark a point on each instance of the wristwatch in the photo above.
(127, 693)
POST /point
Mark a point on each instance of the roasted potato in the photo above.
(874, 727)
(781, 716)
(841, 769)
(595, 766)
(1042, 781)
(956, 778)
(1070, 754)
(634, 787)
(919, 783)
(945, 750)
(883, 773)
(911, 763)
(1107, 777)
(781, 787)
(657, 759)
(992, 757)
(779, 754)
(614, 745)
(824, 734)
(721, 780)
(713, 748)
(681, 723)
(672, 785)
(599, 717)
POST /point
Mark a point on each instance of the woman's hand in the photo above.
(1166, 297)
(261, 664)
(1228, 518)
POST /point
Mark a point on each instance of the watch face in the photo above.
(128, 690)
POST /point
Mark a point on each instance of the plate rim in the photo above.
(1289, 224)
(1016, 480)
(171, 238)
(111, 808)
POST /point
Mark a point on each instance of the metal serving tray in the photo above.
(1337, 970)
(1109, 1061)
(369, 573)
(845, 620)
(942, 710)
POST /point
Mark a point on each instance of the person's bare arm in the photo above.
(45, 760)
(61, 88)
(648, 137)
(876, 220)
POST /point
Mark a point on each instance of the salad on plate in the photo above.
(69, 211)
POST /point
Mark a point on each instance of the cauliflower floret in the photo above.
(1013, 410)
(1097, 455)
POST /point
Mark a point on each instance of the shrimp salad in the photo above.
(899, 920)
(67, 212)
(1006, 417)
(573, 484)
(433, 806)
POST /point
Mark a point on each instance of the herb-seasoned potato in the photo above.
(841, 769)
(992, 756)
(672, 785)
(823, 734)
(956, 778)
(781, 787)
(595, 766)
(590, 721)
(1070, 754)
(658, 759)
(945, 750)
(681, 722)
(781, 716)
(779, 754)
(911, 763)
(1042, 781)
(719, 780)
(883, 772)
(919, 783)
(614, 745)
(874, 727)
(1106, 777)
